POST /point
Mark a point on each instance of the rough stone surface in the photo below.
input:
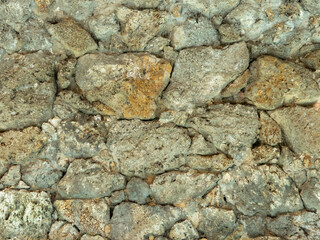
(201, 146)
(201, 73)
(28, 89)
(86, 179)
(137, 190)
(301, 127)
(133, 222)
(183, 230)
(211, 163)
(61, 230)
(270, 132)
(310, 194)
(12, 177)
(312, 60)
(126, 85)
(24, 215)
(89, 237)
(235, 87)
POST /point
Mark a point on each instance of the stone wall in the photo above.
(159, 119)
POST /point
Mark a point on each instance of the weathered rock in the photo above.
(61, 230)
(90, 216)
(201, 73)
(137, 190)
(24, 215)
(312, 60)
(72, 37)
(178, 118)
(28, 89)
(86, 179)
(12, 177)
(66, 73)
(270, 132)
(194, 32)
(310, 194)
(231, 128)
(277, 82)
(230, 33)
(135, 222)
(301, 128)
(176, 187)
(126, 85)
(201, 146)
(311, 6)
(234, 87)
(265, 154)
(9, 39)
(212, 163)
(89, 237)
(142, 3)
(183, 230)
(264, 189)
(146, 148)
(116, 198)
(157, 44)
(217, 223)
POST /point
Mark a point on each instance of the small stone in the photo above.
(311, 6)
(90, 216)
(66, 73)
(176, 187)
(265, 154)
(301, 128)
(230, 33)
(22, 185)
(130, 219)
(270, 132)
(310, 194)
(24, 215)
(201, 73)
(89, 237)
(277, 82)
(211, 163)
(201, 146)
(137, 190)
(9, 39)
(183, 230)
(157, 44)
(61, 230)
(117, 197)
(217, 223)
(86, 179)
(170, 54)
(126, 85)
(141, 3)
(234, 87)
(12, 177)
(312, 60)
(72, 37)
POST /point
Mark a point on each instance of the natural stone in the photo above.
(126, 85)
(9, 39)
(277, 82)
(89, 237)
(234, 87)
(266, 190)
(176, 187)
(137, 190)
(28, 89)
(12, 177)
(301, 127)
(231, 128)
(183, 230)
(201, 73)
(265, 154)
(72, 37)
(212, 163)
(61, 230)
(86, 179)
(116, 198)
(157, 44)
(147, 148)
(66, 73)
(201, 146)
(141, 3)
(310, 194)
(131, 221)
(312, 60)
(270, 132)
(24, 215)
(311, 6)
(90, 216)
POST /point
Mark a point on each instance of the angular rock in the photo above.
(201, 146)
(194, 32)
(116, 198)
(86, 179)
(311, 6)
(201, 73)
(183, 230)
(142, 3)
(147, 148)
(270, 132)
(131, 221)
(12, 177)
(231, 128)
(126, 85)
(265, 154)
(312, 60)
(137, 190)
(61, 230)
(66, 73)
(157, 44)
(89, 237)
(301, 128)
(264, 190)
(177, 187)
(212, 163)
(217, 223)
(310, 194)
(90, 216)
(234, 87)
(24, 215)
(9, 39)
(28, 89)
(277, 82)
(72, 37)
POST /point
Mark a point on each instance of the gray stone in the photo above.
(265, 190)
(310, 194)
(125, 85)
(177, 187)
(137, 190)
(211, 163)
(313, 6)
(231, 128)
(183, 230)
(277, 82)
(311, 60)
(147, 148)
(301, 128)
(9, 39)
(217, 223)
(265, 154)
(201, 146)
(201, 73)
(235, 87)
(230, 33)
(86, 179)
(194, 32)
(12, 177)
(270, 132)
(61, 230)
(28, 89)
(116, 198)
(24, 215)
(72, 37)
(157, 44)
(66, 73)
(89, 237)
(142, 3)
(131, 221)
(90, 216)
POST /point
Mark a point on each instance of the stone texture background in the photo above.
(159, 119)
